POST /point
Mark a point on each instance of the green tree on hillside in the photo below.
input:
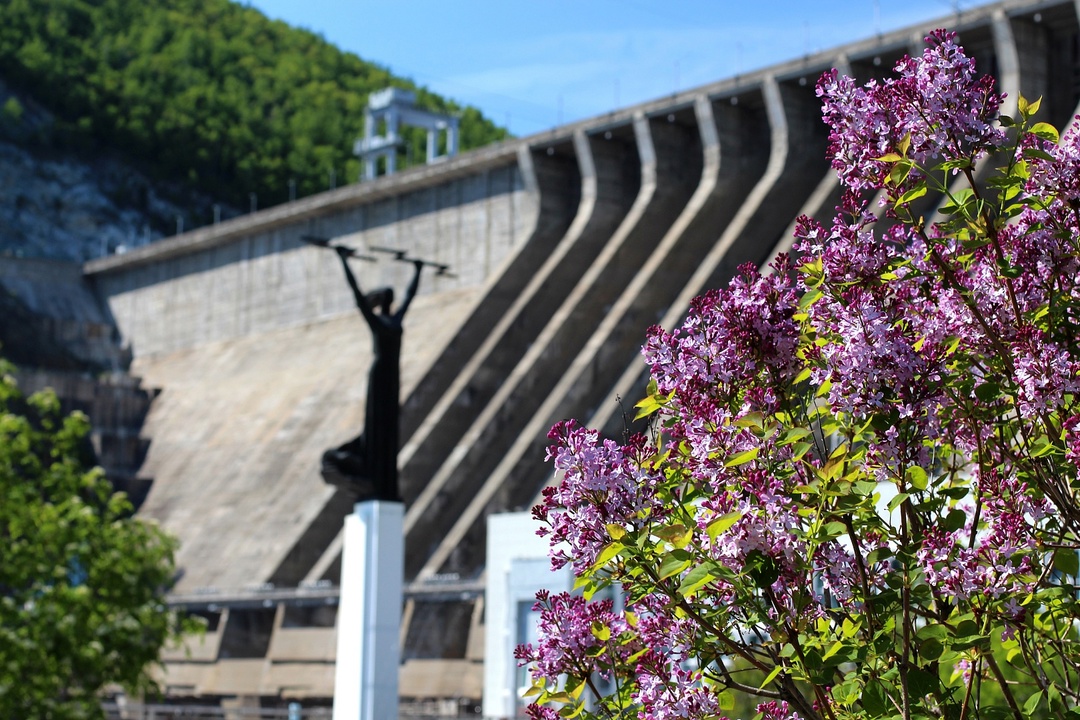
(208, 91)
(81, 581)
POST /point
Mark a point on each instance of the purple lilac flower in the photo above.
(900, 314)
(603, 484)
(568, 644)
(937, 102)
(1059, 176)
(667, 691)
(777, 710)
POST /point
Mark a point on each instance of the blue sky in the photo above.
(532, 64)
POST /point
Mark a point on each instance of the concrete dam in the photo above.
(564, 247)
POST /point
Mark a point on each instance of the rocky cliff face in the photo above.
(72, 209)
(58, 208)
(75, 204)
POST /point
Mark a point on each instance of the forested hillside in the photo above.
(208, 91)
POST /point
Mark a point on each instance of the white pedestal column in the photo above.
(369, 613)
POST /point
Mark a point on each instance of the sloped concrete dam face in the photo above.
(564, 248)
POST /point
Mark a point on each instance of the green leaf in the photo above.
(609, 551)
(836, 647)
(835, 529)
(697, 578)
(916, 477)
(770, 677)
(1067, 561)
(673, 564)
(742, 458)
(761, 568)
(900, 172)
(1053, 695)
(647, 406)
(721, 524)
(987, 392)
(750, 420)
(933, 630)
(913, 194)
(865, 488)
(897, 501)
(532, 691)
(1044, 130)
(793, 435)
(874, 699)
(1032, 703)
(922, 683)
(1041, 446)
(1034, 152)
(955, 493)
(876, 556)
(931, 649)
(955, 520)
(572, 710)
(678, 534)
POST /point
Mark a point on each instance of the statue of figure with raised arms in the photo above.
(367, 465)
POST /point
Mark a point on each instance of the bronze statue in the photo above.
(367, 465)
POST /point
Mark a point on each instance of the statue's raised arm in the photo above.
(362, 304)
(410, 293)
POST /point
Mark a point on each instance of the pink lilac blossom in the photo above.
(568, 644)
(541, 712)
(905, 317)
(777, 710)
(1071, 431)
(999, 563)
(730, 336)
(768, 523)
(1045, 372)
(603, 484)
(937, 102)
(963, 667)
(667, 691)
(837, 567)
(1059, 176)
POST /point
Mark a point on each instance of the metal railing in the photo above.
(212, 599)
(138, 711)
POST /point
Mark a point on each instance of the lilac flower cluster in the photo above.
(777, 710)
(1059, 174)
(940, 363)
(937, 103)
(670, 692)
(570, 642)
(603, 484)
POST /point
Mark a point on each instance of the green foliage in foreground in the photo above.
(205, 90)
(81, 581)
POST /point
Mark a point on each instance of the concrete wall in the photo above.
(263, 278)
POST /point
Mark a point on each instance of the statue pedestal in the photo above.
(369, 613)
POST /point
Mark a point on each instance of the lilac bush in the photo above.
(858, 495)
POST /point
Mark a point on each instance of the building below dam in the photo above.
(246, 357)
